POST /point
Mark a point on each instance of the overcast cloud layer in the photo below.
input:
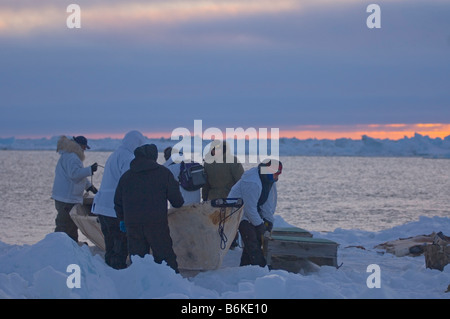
(158, 65)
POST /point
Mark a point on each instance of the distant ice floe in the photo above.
(416, 146)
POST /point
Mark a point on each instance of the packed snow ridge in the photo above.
(41, 271)
(418, 145)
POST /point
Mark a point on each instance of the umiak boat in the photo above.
(201, 233)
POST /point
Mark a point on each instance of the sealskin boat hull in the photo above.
(201, 233)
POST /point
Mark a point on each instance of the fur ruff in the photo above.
(70, 146)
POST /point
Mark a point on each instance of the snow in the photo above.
(418, 145)
(41, 271)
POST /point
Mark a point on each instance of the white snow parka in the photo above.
(70, 175)
(117, 164)
(249, 188)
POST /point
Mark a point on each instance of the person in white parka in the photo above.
(257, 188)
(103, 206)
(70, 182)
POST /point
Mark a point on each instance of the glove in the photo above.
(268, 224)
(122, 227)
(94, 168)
(260, 230)
(92, 189)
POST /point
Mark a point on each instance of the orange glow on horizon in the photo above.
(357, 135)
(152, 135)
(331, 132)
(379, 131)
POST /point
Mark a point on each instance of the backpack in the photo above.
(192, 176)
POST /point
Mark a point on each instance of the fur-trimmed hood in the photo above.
(68, 145)
(228, 157)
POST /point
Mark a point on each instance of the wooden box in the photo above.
(291, 252)
(290, 231)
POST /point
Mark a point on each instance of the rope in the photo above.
(223, 218)
(223, 204)
(223, 237)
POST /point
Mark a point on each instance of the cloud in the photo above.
(30, 16)
(257, 63)
(314, 25)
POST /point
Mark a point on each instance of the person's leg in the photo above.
(235, 242)
(63, 221)
(115, 241)
(120, 246)
(137, 243)
(252, 253)
(109, 242)
(160, 241)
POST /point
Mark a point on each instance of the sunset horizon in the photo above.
(311, 69)
(302, 132)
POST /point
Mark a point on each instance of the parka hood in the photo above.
(133, 140)
(227, 156)
(145, 158)
(68, 145)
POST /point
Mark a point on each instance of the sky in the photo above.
(311, 68)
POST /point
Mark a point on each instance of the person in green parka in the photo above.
(223, 170)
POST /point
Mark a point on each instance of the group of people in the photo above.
(132, 202)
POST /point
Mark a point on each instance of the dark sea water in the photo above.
(315, 193)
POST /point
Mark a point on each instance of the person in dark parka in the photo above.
(140, 203)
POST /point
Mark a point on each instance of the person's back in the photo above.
(173, 163)
(145, 189)
(223, 170)
(70, 182)
(141, 202)
(249, 189)
(221, 178)
(257, 188)
(70, 175)
(116, 165)
(190, 197)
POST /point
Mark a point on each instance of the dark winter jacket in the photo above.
(142, 193)
(221, 176)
